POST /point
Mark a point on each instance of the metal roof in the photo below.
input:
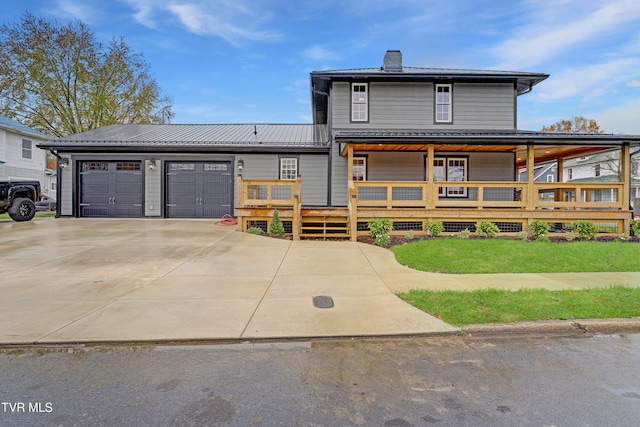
(7, 123)
(200, 137)
(479, 136)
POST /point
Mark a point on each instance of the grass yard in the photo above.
(475, 256)
(43, 214)
(497, 306)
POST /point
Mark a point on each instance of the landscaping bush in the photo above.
(276, 228)
(635, 227)
(380, 228)
(539, 228)
(487, 229)
(256, 230)
(586, 230)
(463, 235)
(434, 228)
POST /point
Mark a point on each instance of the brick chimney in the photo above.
(392, 61)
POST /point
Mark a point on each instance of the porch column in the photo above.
(351, 195)
(240, 202)
(531, 160)
(560, 169)
(625, 175)
(431, 188)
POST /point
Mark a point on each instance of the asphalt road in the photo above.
(452, 381)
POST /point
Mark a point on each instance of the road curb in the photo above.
(555, 327)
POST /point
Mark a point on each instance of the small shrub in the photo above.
(434, 228)
(463, 234)
(379, 229)
(624, 237)
(409, 235)
(256, 230)
(570, 236)
(635, 227)
(539, 228)
(522, 235)
(586, 230)
(487, 229)
(543, 239)
(276, 228)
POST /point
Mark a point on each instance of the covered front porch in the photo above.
(448, 191)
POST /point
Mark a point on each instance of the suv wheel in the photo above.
(22, 210)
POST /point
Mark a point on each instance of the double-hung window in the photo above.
(359, 169)
(27, 148)
(359, 102)
(443, 104)
(288, 168)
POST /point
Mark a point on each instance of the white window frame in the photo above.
(550, 177)
(359, 169)
(443, 171)
(27, 152)
(443, 104)
(288, 168)
(359, 102)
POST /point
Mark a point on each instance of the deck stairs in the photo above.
(325, 225)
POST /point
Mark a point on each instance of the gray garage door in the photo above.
(198, 189)
(110, 189)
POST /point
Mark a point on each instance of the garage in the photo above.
(198, 189)
(110, 189)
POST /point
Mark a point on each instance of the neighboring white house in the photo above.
(605, 167)
(20, 158)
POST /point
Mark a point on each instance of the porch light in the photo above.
(152, 164)
(240, 164)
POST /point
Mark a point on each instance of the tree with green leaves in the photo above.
(60, 80)
(577, 124)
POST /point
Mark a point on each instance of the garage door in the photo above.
(198, 189)
(110, 190)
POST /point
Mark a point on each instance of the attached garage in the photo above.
(198, 189)
(110, 189)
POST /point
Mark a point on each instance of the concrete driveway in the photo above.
(111, 280)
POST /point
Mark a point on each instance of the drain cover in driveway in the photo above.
(322, 301)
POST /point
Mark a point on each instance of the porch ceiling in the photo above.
(542, 153)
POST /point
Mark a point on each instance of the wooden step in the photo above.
(325, 226)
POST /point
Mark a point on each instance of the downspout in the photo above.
(58, 180)
(329, 133)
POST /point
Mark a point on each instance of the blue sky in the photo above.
(248, 61)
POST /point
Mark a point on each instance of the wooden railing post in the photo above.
(297, 203)
(240, 203)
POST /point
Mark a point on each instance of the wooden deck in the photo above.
(511, 205)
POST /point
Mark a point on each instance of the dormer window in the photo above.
(359, 102)
(443, 104)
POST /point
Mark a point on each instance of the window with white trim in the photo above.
(597, 169)
(443, 104)
(27, 149)
(570, 174)
(450, 169)
(288, 168)
(359, 169)
(635, 168)
(359, 102)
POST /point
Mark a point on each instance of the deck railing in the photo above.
(487, 195)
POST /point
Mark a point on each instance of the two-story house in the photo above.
(404, 143)
(20, 158)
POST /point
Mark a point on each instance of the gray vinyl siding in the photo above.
(66, 189)
(411, 106)
(339, 179)
(312, 168)
(395, 166)
(314, 180)
(152, 190)
(483, 106)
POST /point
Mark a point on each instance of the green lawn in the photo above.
(497, 306)
(42, 214)
(459, 256)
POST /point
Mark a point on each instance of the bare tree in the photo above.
(576, 124)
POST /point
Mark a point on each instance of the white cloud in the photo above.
(319, 53)
(620, 119)
(634, 83)
(554, 30)
(75, 10)
(588, 81)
